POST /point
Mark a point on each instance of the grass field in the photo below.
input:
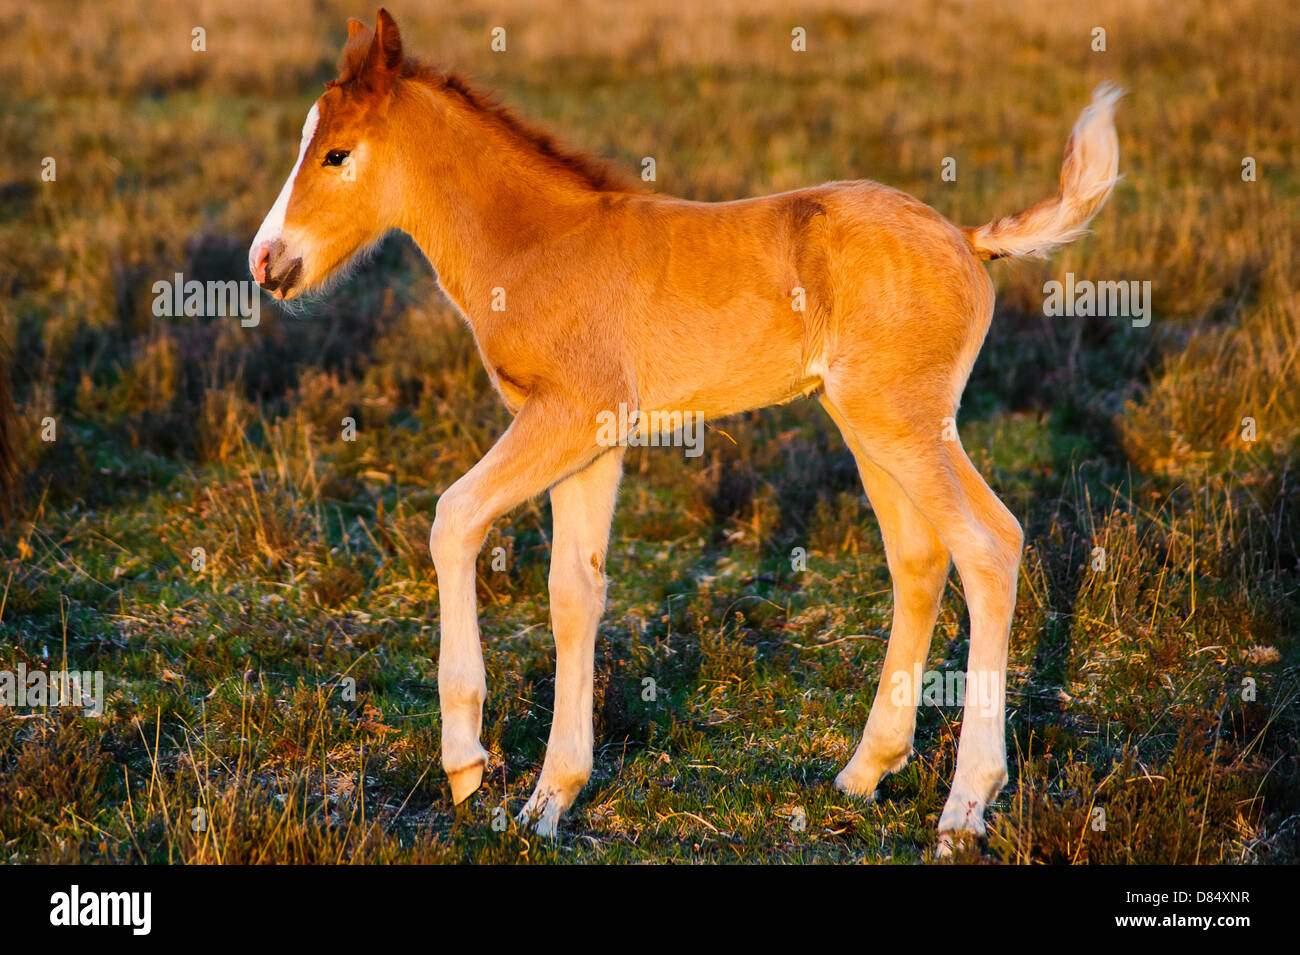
(1161, 689)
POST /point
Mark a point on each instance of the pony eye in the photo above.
(335, 157)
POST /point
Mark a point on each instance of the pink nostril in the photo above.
(260, 260)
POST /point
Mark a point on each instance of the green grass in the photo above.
(227, 688)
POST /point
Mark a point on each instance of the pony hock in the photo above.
(622, 299)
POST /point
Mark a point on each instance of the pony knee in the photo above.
(919, 566)
(1009, 546)
(993, 550)
(455, 531)
(577, 586)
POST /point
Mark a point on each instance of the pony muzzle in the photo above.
(274, 270)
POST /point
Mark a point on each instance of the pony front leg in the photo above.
(462, 682)
(582, 507)
(548, 439)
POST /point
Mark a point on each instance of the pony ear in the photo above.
(373, 61)
(386, 51)
(355, 52)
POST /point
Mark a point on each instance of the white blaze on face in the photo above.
(273, 224)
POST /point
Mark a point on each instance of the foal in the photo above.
(586, 295)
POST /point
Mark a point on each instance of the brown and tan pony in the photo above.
(586, 295)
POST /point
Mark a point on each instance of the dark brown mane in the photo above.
(596, 173)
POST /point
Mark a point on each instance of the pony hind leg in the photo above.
(918, 565)
(903, 433)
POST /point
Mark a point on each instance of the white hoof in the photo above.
(466, 780)
(950, 841)
(862, 775)
(962, 819)
(542, 812)
(857, 784)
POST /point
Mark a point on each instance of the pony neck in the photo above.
(473, 196)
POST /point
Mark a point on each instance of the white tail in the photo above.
(1088, 175)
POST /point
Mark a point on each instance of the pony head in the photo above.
(336, 201)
